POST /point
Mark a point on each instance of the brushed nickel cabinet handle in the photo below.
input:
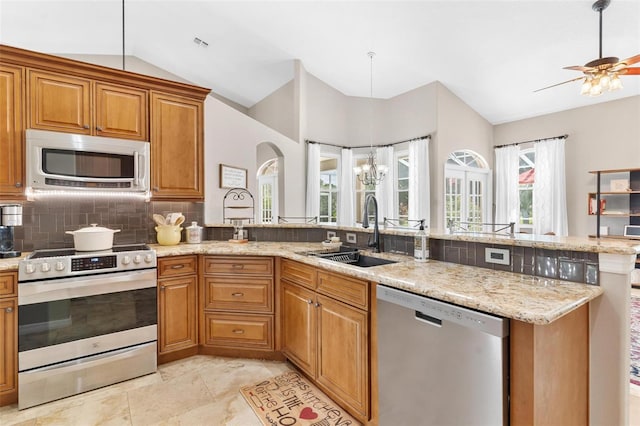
(309, 301)
(18, 184)
(317, 305)
(86, 126)
(8, 310)
(237, 266)
(238, 331)
(98, 128)
(177, 266)
(237, 294)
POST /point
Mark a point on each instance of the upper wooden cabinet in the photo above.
(177, 147)
(72, 104)
(11, 131)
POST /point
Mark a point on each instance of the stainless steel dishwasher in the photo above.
(440, 364)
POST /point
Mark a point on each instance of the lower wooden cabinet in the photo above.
(177, 305)
(327, 338)
(237, 306)
(8, 338)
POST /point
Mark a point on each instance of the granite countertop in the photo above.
(521, 297)
(525, 298)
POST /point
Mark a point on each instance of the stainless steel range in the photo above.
(85, 320)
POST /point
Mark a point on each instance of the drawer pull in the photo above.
(237, 266)
(238, 331)
(309, 301)
(237, 294)
(177, 266)
(317, 305)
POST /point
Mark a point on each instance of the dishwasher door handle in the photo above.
(436, 322)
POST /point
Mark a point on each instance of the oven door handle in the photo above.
(136, 169)
(48, 291)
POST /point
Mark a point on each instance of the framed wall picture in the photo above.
(232, 177)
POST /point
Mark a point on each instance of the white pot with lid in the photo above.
(93, 238)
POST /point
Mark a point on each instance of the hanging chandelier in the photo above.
(370, 174)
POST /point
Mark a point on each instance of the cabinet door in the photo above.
(59, 102)
(344, 352)
(8, 344)
(121, 112)
(299, 337)
(177, 313)
(176, 147)
(11, 126)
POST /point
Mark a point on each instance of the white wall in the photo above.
(601, 136)
(231, 138)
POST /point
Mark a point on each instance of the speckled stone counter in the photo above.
(525, 298)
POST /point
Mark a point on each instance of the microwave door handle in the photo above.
(136, 167)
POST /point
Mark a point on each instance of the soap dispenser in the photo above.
(421, 244)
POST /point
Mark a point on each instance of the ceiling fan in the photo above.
(602, 73)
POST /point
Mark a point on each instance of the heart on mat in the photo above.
(308, 414)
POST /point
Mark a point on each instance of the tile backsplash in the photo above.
(45, 222)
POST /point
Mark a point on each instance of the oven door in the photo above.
(64, 319)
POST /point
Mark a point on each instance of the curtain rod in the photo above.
(367, 146)
(531, 141)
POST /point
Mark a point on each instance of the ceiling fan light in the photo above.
(605, 81)
(596, 90)
(616, 83)
(586, 87)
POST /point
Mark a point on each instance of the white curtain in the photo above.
(313, 180)
(419, 180)
(507, 185)
(346, 210)
(385, 193)
(549, 188)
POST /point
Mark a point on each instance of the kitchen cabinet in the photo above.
(11, 132)
(68, 103)
(325, 332)
(177, 307)
(177, 147)
(8, 338)
(238, 305)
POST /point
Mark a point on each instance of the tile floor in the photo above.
(200, 390)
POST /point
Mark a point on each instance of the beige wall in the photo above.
(601, 136)
(277, 110)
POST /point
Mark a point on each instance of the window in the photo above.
(402, 188)
(328, 190)
(361, 193)
(525, 185)
(466, 190)
(268, 191)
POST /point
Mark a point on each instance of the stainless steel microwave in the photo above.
(65, 161)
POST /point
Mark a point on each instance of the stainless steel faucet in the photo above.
(365, 222)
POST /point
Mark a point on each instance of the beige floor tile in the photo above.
(159, 402)
(111, 410)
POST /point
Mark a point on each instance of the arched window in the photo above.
(267, 175)
(467, 190)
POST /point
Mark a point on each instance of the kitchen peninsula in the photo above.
(535, 304)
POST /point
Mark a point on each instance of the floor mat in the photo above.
(289, 399)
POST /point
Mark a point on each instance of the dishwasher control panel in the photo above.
(436, 312)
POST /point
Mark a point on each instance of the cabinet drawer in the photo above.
(298, 273)
(177, 265)
(239, 294)
(238, 265)
(345, 289)
(8, 286)
(239, 330)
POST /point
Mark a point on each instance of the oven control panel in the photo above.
(41, 268)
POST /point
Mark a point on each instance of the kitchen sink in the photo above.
(353, 257)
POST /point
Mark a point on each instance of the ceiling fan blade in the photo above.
(558, 84)
(630, 71)
(579, 68)
(630, 61)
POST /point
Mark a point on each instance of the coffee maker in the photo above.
(10, 217)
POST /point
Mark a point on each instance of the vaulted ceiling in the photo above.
(492, 54)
